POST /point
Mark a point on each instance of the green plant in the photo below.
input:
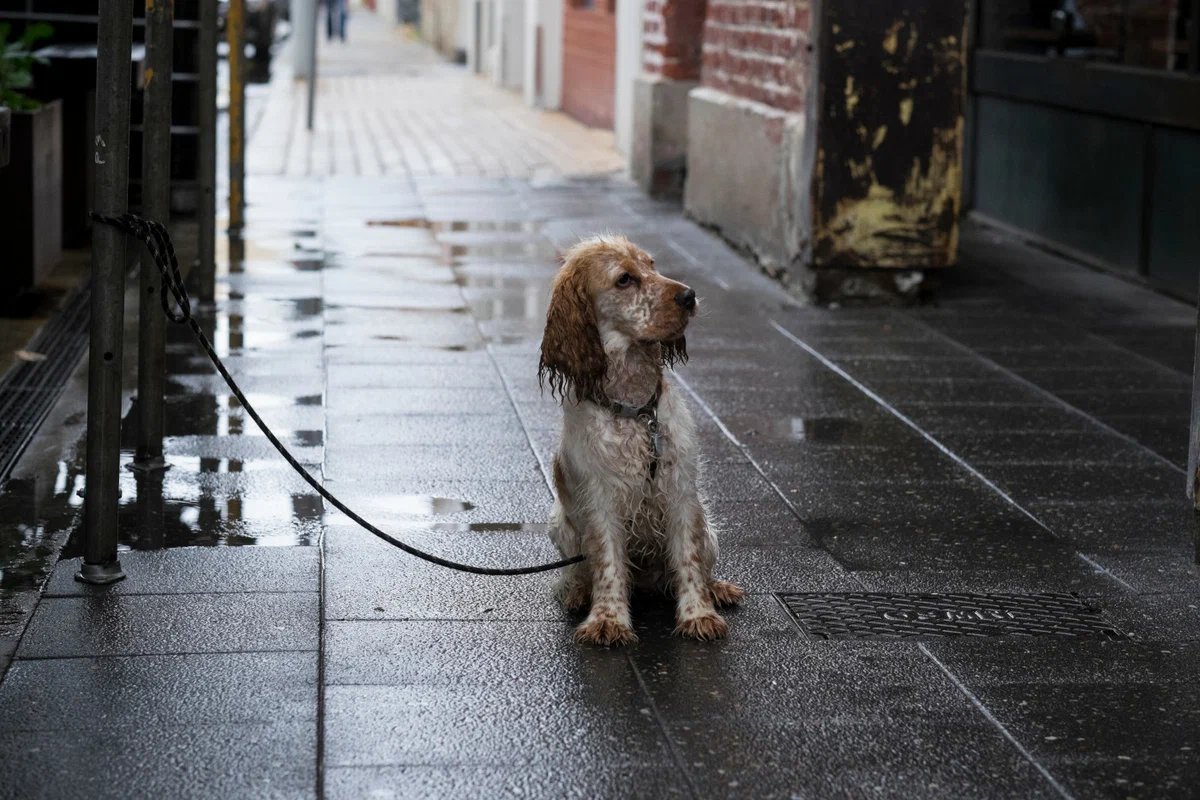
(16, 65)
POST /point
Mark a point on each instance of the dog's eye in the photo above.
(625, 280)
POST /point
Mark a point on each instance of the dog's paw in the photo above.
(706, 628)
(604, 631)
(726, 594)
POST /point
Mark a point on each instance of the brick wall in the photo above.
(672, 38)
(758, 49)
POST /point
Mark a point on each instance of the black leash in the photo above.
(154, 235)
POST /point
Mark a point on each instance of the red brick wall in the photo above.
(672, 37)
(758, 49)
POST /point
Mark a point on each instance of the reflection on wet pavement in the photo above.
(330, 284)
(820, 430)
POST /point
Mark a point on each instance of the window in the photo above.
(1154, 34)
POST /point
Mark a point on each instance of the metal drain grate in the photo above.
(29, 390)
(874, 615)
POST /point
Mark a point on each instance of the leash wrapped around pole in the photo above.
(178, 308)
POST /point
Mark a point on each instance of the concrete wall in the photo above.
(510, 44)
(744, 175)
(629, 64)
(546, 14)
(671, 59)
(748, 169)
(658, 150)
(482, 20)
(441, 26)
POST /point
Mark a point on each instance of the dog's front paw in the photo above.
(604, 631)
(706, 628)
(726, 594)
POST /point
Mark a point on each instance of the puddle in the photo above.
(820, 430)
(308, 438)
(36, 518)
(491, 527)
(404, 222)
(413, 504)
(444, 348)
(457, 226)
(453, 254)
(306, 264)
(528, 307)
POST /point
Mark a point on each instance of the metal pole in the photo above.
(156, 202)
(113, 36)
(235, 25)
(206, 160)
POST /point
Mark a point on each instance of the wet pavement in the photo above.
(1023, 435)
(389, 330)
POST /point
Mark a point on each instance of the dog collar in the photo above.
(648, 414)
(649, 410)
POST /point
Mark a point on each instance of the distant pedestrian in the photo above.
(335, 19)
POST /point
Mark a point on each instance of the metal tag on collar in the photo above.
(656, 439)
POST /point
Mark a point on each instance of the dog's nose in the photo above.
(686, 299)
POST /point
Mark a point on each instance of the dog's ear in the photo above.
(573, 360)
(674, 352)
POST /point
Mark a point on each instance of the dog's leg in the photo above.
(608, 620)
(575, 585)
(691, 554)
(575, 588)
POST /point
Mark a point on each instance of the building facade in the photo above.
(842, 143)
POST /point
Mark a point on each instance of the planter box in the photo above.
(31, 200)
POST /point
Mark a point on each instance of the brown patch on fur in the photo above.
(572, 359)
(706, 628)
(560, 481)
(726, 594)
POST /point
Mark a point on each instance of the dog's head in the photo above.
(609, 292)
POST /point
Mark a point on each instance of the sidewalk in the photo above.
(388, 105)
(1025, 435)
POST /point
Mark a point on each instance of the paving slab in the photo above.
(199, 570)
(267, 760)
(114, 624)
(564, 779)
(84, 694)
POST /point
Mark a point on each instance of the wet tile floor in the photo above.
(388, 331)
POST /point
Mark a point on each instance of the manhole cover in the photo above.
(877, 615)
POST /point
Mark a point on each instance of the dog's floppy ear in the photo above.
(573, 360)
(674, 352)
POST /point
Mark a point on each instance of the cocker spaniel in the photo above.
(627, 468)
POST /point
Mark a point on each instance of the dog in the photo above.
(627, 469)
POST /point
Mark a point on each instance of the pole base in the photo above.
(100, 574)
(156, 464)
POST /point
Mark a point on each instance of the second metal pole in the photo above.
(156, 202)
(206, 159)
(235, 25)
(111, 159)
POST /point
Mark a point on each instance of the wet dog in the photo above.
(626, 473)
